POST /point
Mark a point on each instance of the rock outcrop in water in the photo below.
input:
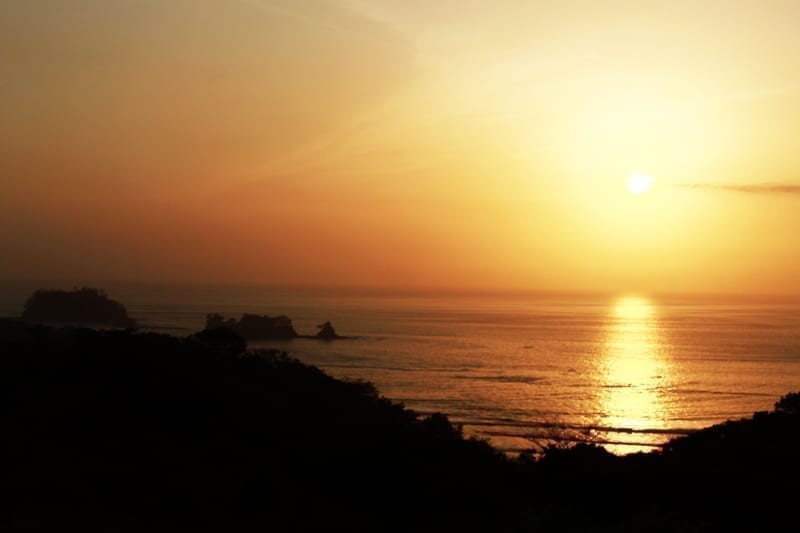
(327, 333)
(254, 327)
(264, 327)
(84, 306)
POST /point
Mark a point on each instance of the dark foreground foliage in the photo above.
(118, 431)
(735, 476)
(140, 432)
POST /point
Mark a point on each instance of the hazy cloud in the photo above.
(767, 92)
(752, 188)
(345, 20)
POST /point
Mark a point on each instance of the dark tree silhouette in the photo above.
(789, 404)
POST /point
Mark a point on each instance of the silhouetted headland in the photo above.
(85, 306)
(113, 430)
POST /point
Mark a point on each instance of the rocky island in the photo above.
(264, 327)
(80, 306)
(327, 333)
(254, 327)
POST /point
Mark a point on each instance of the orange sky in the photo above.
(402, 143)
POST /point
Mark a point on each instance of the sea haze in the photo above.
(630, 371)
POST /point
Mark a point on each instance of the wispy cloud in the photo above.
(764, 93)
(750, 188)
(328, 15)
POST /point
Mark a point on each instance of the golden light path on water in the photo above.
(634, 369)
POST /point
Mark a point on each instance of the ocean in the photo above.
(522, 370)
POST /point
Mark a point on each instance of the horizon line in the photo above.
(397, 290)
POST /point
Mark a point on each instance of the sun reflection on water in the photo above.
(633, 371)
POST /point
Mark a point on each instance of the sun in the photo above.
(639, 183)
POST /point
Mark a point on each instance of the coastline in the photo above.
(143, 431)
(503, 369)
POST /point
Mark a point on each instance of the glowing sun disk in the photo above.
(639, 183)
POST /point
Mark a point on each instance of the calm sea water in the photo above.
(628, 371)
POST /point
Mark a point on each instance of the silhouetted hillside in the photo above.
(123, 431)
(735, 476)
(134, 432)
(78, 306)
